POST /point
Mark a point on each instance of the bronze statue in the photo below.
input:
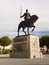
(27, 23)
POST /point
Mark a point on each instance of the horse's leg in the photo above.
(33, 28)
(28, 30)
(24, 31)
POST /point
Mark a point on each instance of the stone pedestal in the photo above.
(26, 46)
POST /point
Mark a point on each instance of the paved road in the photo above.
(14, 61)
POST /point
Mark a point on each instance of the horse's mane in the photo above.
(34, 17)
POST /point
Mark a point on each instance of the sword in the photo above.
(20, 11)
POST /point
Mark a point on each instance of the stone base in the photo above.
(19, 55)
(26, 46)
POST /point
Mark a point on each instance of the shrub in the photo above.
(7, 51)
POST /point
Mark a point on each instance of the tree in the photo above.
(5, 41)
(44, 40)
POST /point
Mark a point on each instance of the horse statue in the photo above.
(28, 23)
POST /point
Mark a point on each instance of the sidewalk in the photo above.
(4, 55)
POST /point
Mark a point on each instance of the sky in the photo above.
(10, 14)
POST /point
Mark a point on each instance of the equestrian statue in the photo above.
(28, 22)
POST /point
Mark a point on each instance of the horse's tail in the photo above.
(19, 26)
(18, 29)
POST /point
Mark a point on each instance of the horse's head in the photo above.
(34, 18)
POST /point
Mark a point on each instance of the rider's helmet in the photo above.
(26, 10)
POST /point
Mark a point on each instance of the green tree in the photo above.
(5, 41)
(44, 40)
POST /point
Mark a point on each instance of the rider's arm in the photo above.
(22, 15)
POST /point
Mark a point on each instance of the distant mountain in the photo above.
(40, 33)
(13, 34)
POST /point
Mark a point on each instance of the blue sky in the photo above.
(10, 14)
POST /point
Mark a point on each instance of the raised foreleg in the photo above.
(33, 28)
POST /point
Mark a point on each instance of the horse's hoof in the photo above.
(32, 30)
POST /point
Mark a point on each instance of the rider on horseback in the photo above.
(26, 15)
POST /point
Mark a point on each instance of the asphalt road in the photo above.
(14, 61)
